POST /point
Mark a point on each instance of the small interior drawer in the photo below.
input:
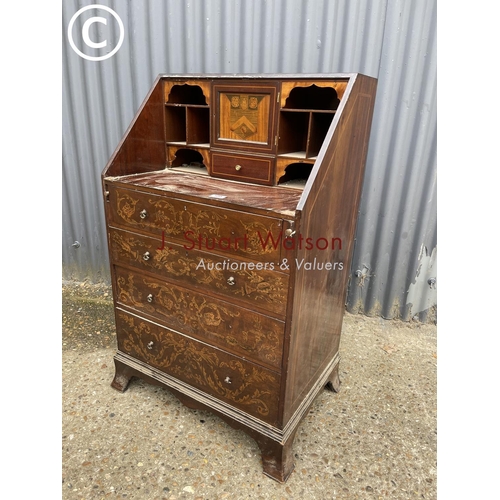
(243, 168)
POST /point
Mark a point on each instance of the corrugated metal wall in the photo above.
(395, 41)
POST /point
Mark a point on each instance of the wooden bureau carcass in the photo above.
(231, 205)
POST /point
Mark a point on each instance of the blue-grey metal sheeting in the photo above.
(394, 267)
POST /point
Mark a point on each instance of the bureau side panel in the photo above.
(142, 148)
(329, 214)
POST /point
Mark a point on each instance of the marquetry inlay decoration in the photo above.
(251, 386)
(244, 117)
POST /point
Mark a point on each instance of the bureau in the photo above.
(231, 204)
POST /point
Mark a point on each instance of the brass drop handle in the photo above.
(146, 256)
(150, 345)
(227, 380)
(231, 281)
(238, 167)
(149, 298)
(143, 214)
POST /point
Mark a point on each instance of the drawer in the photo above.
(196, 225)
(242, 168)
(242, 384)
(262, 287)
(235, 329)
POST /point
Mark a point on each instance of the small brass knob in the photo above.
(238, 167)
(150, 345)
(150, 298)
(231, 281)
(227, 380)
(146, 256)
(143, 214)
(289, 232)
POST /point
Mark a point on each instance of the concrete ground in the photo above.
(375, 439)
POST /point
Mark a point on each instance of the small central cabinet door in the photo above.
(245, 116)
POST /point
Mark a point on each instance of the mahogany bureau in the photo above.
(231, 204)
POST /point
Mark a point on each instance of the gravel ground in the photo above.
(375, 439)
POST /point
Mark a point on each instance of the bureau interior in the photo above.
(288, 123)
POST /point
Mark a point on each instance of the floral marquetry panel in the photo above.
(249, 387)
(198, 227)
(221, 323)
(263, 288)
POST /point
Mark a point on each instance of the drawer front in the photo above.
(242, 168)
(263, 288)
(232, 328)
(197, 226)
(241, 384)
